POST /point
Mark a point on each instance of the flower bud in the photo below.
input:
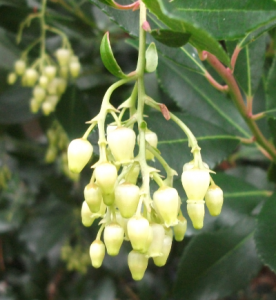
(97, 252)
(61, 86)
(160, 261)
(180, 229)
(43, 81)
(123, 223)
(20, 67)
(11, 78)
(74, 68)
(167, 204)
(214, 200)
(30, 76)
(63, 72)
(127, 199)
(195, 183)
(86, 215)
(79, 154)
(39, 93)
(137, 263)
(110, 128)
(138, 232)
(190, 165)
(63, 56)
(133, 174)
(47, 108)
(113, 238)
(50, 72)
(34, 106)
(196, 212)
(158, 234)
(152, 139)
(121, 142)
(93, 197)
(106, 175)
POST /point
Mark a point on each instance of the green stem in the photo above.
(87, 132)
(158, 179)
(103, 112)
(43, 34)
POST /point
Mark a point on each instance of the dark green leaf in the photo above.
(108, 58)
(200, 39)
(223, 19)
(171, 38)
(195, 95)
(249, 66)
(217, 264)
(72, 112)
(271, 87)
(216, 143)
(265, 233)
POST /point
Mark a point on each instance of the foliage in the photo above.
(43, 245)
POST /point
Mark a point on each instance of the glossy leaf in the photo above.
(108, 58)
(171, 38)
(200, 39)
(215, 142)
(265, 233)
(223, 19)
(271, 87)
(249, 65)
(215, 265)
(195, 95)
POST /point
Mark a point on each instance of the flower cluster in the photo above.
(127, 210)
(47, 77)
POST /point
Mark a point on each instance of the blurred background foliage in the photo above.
(44, 246)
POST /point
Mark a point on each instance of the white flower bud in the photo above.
(63, 56)
(106, 175)
(93, 197)
(97, 252)
(11, 78)
(79, 154)
(74, 68)
(158, 234)
(161, 260)
(113, 238)
(196, 212)
(50, 72)
(138, 232)
(214, 200)
(137, 263)
(20, 67)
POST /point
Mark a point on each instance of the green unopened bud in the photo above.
(86, 215)
(195, 183)
(167, 204)
(93, 197)
(63, 56)
(20, 67)
(138, 232)
(74, 68)
(137, 263)
(39, 93)
(47, 108)
(79, 154)
(180, 229)
(152, 139)
(43, 81)
(151, 58)
(113, 238)
(50, 72)
(30, 76)
(123, 223)
(11, 78)
(161, 260)
(61, 86)
(63, 72)
(121, 142)
(97, 252)
(158, 234)
(127, 199)
(196, 212)
(106, 175)
(133, 174)
(34, 105)
(214, 200)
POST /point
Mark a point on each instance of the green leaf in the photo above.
(265, 233)
(222, 19)
(108, 2)
(108, 58)
(195, 95)
(151, 58)
(171, 38)
(252, 36)
(215, 265)
(215, 142)
(249, 66)
(271, 87)
(200, 39)
(272, 127)
(72, 112)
